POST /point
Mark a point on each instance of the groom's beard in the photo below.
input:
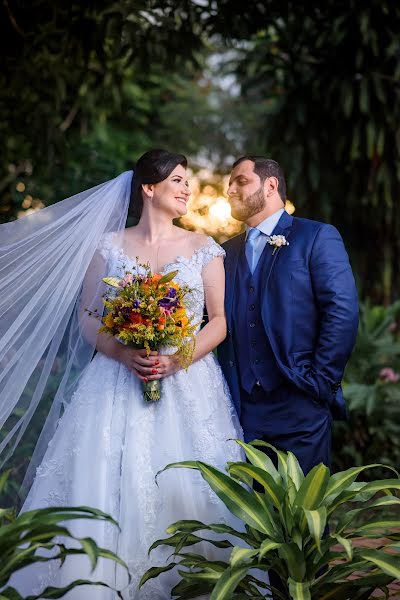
(242, 210)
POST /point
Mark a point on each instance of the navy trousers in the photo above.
(290, 420)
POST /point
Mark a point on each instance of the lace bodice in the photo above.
(189, 269)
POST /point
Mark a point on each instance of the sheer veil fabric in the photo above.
(50, 274)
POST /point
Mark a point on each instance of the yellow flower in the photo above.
(109, 321)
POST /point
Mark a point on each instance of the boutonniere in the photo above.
(277, 241)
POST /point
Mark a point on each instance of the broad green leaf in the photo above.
(299, 590)
(313, 488)
(295, 472)
(187, 539)
(240, 555)
(340, 481)
(380, 486)
(206, 575)
(383, 524)
(155, 572)
(334, 501)
(274, 492)
(388, 563)
(282, 457)
(347, 545)
(316, 520)
(261, 460)
(295, 560)
(189, 560)
(228, 583)
(271, 516)
(384, 501)
(238, 500)
(186, 525)
(267, 546)
(53, 592)
(91, 550)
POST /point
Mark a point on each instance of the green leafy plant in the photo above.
(372, 391)
(285, 530)
(24, 538)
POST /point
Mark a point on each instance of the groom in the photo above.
(292, 314)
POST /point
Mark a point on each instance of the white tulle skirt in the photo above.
(107, 448)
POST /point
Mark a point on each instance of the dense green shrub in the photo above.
(372, 392)
(284, 530)
(24, 538)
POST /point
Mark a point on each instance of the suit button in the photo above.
(257, 361)
(231, 363)
(229, 332)
(253, 343)
(252, 325)
(251, 289)
(252, 306)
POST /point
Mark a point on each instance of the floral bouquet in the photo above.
(148, 311)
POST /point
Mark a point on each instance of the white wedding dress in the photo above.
(109, 444)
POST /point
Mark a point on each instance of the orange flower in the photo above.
(135, 318)
(161, 323)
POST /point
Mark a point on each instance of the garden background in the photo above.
(86, 87)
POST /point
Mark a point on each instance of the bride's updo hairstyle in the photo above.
(152, 167)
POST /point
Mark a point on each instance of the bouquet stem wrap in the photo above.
(152, 390)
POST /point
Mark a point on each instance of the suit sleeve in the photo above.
(336, 298)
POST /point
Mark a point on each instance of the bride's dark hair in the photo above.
(152, 167)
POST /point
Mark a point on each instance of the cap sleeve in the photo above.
(209, 251)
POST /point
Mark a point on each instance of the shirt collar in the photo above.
(268, 225)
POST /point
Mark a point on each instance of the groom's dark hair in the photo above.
(264, 168)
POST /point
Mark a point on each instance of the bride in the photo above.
(102, 444)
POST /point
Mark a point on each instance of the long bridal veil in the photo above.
(50, 277)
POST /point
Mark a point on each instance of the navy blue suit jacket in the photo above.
(309, 310)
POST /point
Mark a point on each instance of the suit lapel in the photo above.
(283, 227)
(231, 264)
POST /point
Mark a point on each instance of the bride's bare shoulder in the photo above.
(193, 239)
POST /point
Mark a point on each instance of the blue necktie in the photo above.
(252, 254)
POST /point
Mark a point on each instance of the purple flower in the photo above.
(167, 302)
(171, 292)
(136, 304)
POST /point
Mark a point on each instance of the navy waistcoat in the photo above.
(256, 360)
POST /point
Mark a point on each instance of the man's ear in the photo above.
(271, 186)
(148, 189)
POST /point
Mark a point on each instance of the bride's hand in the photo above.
(164, 365)
(137, 361)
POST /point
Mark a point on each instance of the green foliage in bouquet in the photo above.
(285, 530)
(372, 392)
(41, 535)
